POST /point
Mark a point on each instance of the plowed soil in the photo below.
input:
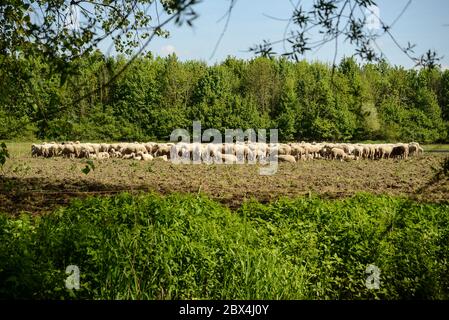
(38, 185)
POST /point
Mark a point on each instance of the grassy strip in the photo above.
(190, 247)
(436, 148)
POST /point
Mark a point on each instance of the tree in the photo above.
(371, 122)
(288, 113)
(58, 86)
(262, 82)
(443, 95)
(66, 30)
(63, 32)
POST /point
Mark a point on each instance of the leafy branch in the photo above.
(340, 19)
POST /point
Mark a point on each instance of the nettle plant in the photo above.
(89, 167)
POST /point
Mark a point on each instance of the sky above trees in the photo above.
(424, 23)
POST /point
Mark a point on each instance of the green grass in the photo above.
(436, 147)
(190, 247)
(18, 149)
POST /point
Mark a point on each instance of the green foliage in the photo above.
(372, 122)
(154, 96)
(443, 95)
(189, 247)
(33, 27)
(89, 167)
(12, 127)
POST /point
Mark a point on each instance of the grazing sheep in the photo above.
(95, 147)
(399, 151)
(212, 153)
(228, 158)
(84, 154)
(414, 149)
(251, 156)
(150, 146)
(163, 158)
(325, 152)
(68, 151)
(146, 157)
(103, 155)
(345, 148)
(117, 154)
(196, 151)
(241, 152)
(77, 149)
(286, 158)
(385, 151)
(297, 151)
(315, 150)
(358, 152)
(228, 148)
(372, 152)
(128, 156)
(262, 152)
(114, 146)
(54, 150)
(181, 152)
(36, 150)
(420, 151)
(163, 149)
(366, 152)
(284, 149)
(351, 149)
(238, 152)
(338, 154)
(104, 147)
(349, 157)
(114, 154)
(45, 150)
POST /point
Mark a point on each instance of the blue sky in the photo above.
(425, 23)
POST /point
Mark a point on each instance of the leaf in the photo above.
(85, 170)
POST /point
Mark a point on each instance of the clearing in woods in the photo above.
(38, 185)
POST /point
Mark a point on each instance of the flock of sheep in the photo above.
(239, 152)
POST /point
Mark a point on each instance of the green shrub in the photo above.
(189, 247)
(12, 127)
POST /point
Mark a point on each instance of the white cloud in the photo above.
(168, 49)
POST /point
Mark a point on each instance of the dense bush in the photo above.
(154, 96)
(186, 247)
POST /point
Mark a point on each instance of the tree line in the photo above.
(309, 101)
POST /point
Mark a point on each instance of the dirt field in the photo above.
(38, 185)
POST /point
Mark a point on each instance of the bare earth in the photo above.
(38, 185)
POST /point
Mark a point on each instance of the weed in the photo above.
(89, 166)
(445, 167)
(190, 247)
(442, 170)
(21, 169)
(150, 168)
